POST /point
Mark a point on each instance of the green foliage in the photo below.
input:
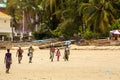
(97, 14)
(43, 32)
(36, 35)
(88, 34)
(66, 17)
(66, 28)
(57, 33)
(116, 25)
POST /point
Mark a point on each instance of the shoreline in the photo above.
(75, 47)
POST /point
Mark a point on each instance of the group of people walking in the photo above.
(58, 54)
(19, 54)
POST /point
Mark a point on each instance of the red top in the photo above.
(52, 50)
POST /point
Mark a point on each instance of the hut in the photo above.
(115, 35)
(5, 29)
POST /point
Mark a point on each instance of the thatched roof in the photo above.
(3, 15)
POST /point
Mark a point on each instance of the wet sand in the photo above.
(82, 65)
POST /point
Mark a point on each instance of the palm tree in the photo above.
(48, 16)
(11, 9)
(70, 21)
(30, 8)
(98, 15)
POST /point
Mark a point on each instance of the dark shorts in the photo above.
(20, 56)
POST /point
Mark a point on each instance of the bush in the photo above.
(116, 25)
(36, 35)
(88, 34)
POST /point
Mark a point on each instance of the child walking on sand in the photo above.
(58, 54)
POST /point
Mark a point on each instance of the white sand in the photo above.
(83, 65)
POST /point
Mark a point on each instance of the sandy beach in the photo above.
(82, 65)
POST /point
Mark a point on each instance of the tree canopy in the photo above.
(56, 18)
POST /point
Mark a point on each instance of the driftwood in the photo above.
(99, 42)
(56, 44)
(41, 45)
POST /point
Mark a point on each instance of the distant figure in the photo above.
(30, 54)
(52, 44)
(19, 54)
(52, 51)
(8, 60)
(58, 54)
(66, 53)
(3, 38)
(67, 42)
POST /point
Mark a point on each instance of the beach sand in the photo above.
(82, 65)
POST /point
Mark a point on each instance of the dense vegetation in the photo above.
(55, 18)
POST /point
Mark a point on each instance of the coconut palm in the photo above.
(30, 8)
(49, 8)
(66, 16)
(69, 18)
(11, 9)
(98, 15)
